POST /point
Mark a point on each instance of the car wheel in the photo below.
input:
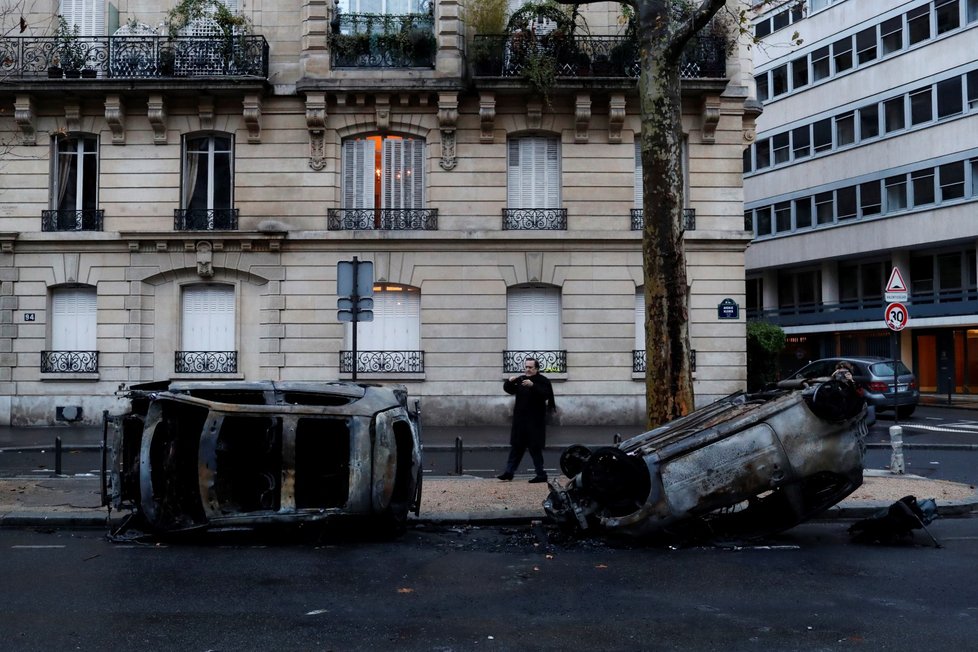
(905, 411)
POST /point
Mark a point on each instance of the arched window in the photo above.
(533, 328)
(391, 343)
(73, 326)
(207, 330)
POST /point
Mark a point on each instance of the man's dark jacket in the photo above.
(530, 411)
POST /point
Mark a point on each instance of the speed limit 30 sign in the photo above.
(896, 316)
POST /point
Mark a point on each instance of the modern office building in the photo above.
(178, 190)
(866, 160)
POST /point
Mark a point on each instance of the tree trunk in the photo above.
(668, 376)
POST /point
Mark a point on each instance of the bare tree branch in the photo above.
(693, 23)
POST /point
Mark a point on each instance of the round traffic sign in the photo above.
(896, 316)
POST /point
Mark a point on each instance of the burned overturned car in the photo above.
(748, 465)
(193, 456)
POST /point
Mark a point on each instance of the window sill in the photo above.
(60, 377)
(386, 377)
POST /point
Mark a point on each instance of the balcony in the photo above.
(69, 362)
(72, 220)
(949, 303)
(510, 55)
(383, 362)
(382, 219)
(139, 57)
(383, 41)
(551, 362)
(538, 219)
(205, 219)
(205, 362)
(689, 219)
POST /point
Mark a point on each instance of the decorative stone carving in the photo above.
(583, 117)
(205, 111)
(205, 262)
(252, 117)
(24, 117)
(382, 109)
(711, 118)
(534, 113)
(115, 116)
(316, 124)
(73, 117)
(156, 112)
(487, 116)
(616, 116)
(447, 120)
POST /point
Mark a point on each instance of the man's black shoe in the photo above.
(537, 478)
(505, 476)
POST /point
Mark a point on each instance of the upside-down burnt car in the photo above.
(748, 465)
(193, 456)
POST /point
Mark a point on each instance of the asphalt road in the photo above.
(489, 589)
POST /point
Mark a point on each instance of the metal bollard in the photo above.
(458, 456)
(896, 457)
(57, 455)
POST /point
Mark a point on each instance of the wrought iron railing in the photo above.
(382, 219)
(554, 362)
(383, 41)
(69, 362)
(383, 362)
(205, 219)
(205, 362)
(638, 360)
(689, 219)
(542, 219)
(72, 220)
(508, 55)
(134, 56)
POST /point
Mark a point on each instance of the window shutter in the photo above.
(639, 188)
(74, 319)
(89, 15)
(396, 325)
(358, 174)
(533, 319)
(208, 318)
(640, 319)
(552, 174)
(534, 173)
(514, 175)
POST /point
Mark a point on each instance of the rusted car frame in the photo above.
(199, 455)
(748, 465)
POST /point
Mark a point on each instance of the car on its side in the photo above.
(874, 377)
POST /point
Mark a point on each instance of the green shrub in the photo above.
(764, 342)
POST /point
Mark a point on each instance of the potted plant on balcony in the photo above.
(215, 18)
(69, 51)
(487, 21)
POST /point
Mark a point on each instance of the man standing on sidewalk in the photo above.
(534, 397)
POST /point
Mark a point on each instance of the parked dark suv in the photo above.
(874, 377)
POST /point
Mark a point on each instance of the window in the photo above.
(893, 114)
(869, 122)
(799, 290)
(949, 100)
(780, 20)
(534, 172)
(845, 129)
(639, 184)
(891, 35)
(782, 216)
(822, 135)
(918, 24)
(952, 180)
(803, 213)
(896, 193)
(845, 201)
(824, 210)
(779, 80)
(869, 198)
(75, 183)
(533, 321)
(73, 328)
(383, 172)
(923, 186)
(396, 327)
(746, 168)
(972, 81)
(394, 7)
(801, 142)
(866, 45)
(639, 321)
(799, 73)
(948, 16)
(763, 154)
(820, 63)
(207, 330)
(920, 106)
(207, 177)
(972, 10)
(762, 28)
(88, 15)
(764, 224)
(762, 87)
(842, 54)
(782, 152)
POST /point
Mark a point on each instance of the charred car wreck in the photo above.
(191, 456)
(747, 465)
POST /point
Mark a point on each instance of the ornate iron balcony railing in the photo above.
(507, 55)
(205, 219)
(69, 362)
(383, 362)
(110, 57)
(383, 40)
(72, 220)
(382, 219)
(638, 360)
(527, 219)
(689, 219)
(205, 362)
(550, 361)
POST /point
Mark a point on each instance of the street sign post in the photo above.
(896, 317)
(355, 290)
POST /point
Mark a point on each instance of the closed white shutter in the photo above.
(397, 322)
(358, 174)
(208, 318)
(640, 319)
(402, 184)
(639, 189)
(533, 319)
(89, 15)
(74, 319)
(533, 173)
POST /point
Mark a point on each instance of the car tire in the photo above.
(904, 411)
